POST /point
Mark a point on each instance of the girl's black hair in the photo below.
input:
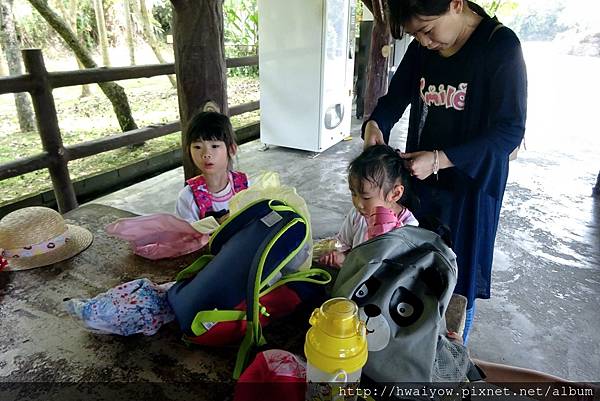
(400, 12)
(210, 126)
(383, 166)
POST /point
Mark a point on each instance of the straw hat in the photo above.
(38, 236)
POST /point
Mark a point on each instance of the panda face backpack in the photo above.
(402, 282)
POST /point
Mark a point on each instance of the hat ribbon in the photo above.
(36, 249)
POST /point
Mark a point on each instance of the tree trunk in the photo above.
(85, 89)
(199, 62)
(101, 24)
(10, 44)
(71, 17)
(129, 28)
(377, 71)
(150, 38)
(361, 64)
(115, 93)
(3, 66)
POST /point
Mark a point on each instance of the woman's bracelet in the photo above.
(436, 164)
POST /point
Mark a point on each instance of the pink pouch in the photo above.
(381, 221)
(158, 236)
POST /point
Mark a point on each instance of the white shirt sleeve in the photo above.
(186, 207)
(408, 219)
(353, 231)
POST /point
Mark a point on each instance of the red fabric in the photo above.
(280, 302)
(202, 196)
(273, 375)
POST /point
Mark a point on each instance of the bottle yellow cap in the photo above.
(337, 338)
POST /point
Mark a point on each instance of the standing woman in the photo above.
(465, 80)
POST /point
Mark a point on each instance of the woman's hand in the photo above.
(333, 259)
(420, 164)
(373, 135)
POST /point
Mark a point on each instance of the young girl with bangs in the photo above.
(381, 197)
(212, 147)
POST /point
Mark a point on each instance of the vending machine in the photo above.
(306, 66)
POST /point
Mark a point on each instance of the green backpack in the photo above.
(249, 277)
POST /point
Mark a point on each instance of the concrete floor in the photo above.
(545, 307)
(543, 313)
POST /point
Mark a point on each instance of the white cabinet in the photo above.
(306, 67)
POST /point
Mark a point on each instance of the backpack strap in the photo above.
(201, 195)
(255, 283)
(236, 221)
(240, 181)
(313, 275)
(194, 268)
(253, 328)
(206, 319)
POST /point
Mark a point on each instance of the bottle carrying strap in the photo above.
(313, 275)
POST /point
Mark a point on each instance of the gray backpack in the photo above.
(402, 282)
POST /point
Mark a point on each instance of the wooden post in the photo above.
(47, 122)
(199, 62)
(377, 75)
(360, 66)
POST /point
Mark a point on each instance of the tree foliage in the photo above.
(531, 20)
(241, 32)
(115, 93)
(36, 32)
(163, 15)
(10, 46)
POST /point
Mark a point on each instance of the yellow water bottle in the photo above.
(336, 350)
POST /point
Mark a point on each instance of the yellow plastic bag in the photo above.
(206, 226)
(267, 186)
(325, 246)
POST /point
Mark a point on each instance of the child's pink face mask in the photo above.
(381, 221)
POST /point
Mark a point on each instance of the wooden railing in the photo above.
(55, 157)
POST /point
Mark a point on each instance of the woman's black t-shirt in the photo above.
(443, 88)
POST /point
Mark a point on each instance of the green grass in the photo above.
(152, 101)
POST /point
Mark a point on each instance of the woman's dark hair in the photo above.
(383, 167)
(210, 126)
(400, 12)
